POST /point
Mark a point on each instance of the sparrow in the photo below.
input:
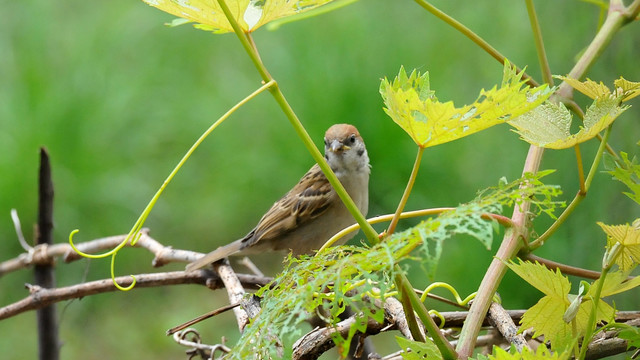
(311, 212)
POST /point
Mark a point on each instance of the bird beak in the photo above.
(337, 146)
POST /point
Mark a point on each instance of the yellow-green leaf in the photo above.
(588, 87)
(552, 284)
(624, 89)
(250, 14)
(545, 317)
(615, 283)
(629, 238)
(411, 103)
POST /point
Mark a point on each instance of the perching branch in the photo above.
(41, 297)
(43, 254)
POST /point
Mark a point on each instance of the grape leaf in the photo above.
(546, 316)
(629, 239)
(411, 103)
(250, 14)
(416, 350)
(548, 125)
(624, 89)
(542, 353)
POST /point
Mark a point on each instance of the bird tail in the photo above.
(215, 255)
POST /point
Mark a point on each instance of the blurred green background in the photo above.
(117, 98)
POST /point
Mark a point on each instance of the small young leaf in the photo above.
(415, 350)
(626, 89)
(629, 239)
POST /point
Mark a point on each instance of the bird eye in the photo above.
(352, 138)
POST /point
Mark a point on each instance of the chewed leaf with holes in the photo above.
(548, 125)
(411, 103)
(250, 14)
(469, 218)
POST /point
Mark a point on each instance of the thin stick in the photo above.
(48, 341)
(200, 318)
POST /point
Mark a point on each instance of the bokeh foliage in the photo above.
(117, 98)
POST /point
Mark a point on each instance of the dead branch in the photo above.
(41, 297)
(195, 345)
(319, 340)
(235, 291)
(501, 320)
(46, 254)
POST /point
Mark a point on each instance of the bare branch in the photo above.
(41, 297)
(319, 340)
(499, 318)
(196, 347)
(235, 291)
(44, 254)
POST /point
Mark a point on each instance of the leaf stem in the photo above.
(407, 191)
(472, 36)
(250, 48)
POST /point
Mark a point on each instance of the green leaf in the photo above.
(542, 353)
(469, 218)
(250, 14)
(629, 174)
(411, 103)
(325, 284)
(627, 332)
(415, 350)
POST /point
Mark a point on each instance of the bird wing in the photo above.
(310, 198)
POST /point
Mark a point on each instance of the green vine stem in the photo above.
(616, 18)
(537, 37)
(582, 193)
(500, 219)
(608, 261)
(250, 48)
(134, 233)
(508, 249)
(407, 191)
